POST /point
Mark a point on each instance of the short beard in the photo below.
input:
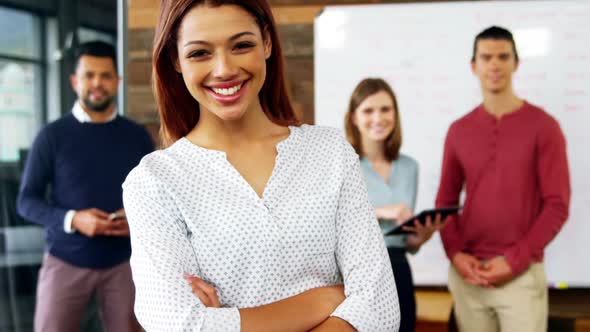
(98, 107)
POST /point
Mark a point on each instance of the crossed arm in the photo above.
(311, 309)
(164, 303)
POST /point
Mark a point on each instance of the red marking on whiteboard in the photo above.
(440, 78)
(584, 14)
(533, 77)
(578, 57)
(545, 15)
(575, 93)
(530, 92)
(573, 35)
(574, 108)
(415, 79)
(577, 76)
(486, 17)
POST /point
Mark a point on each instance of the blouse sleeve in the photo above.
(413, 192)
(161, 254)
(371, 298)
(414, 184)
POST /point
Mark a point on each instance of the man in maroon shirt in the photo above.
(510, 157)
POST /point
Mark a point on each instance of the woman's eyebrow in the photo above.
(232, 38)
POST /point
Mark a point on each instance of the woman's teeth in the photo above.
(228, 91)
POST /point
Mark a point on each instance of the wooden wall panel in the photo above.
(300, 82)
(296, 14)
(139, 72)
(143, 14)
(141, 105)
(296, 40)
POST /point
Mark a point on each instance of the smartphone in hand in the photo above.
(116, 216)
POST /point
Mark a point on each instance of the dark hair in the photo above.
(179, 111)
(98, 49)
(366, 88)
(497, 33)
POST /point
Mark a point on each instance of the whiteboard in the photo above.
(423, 51)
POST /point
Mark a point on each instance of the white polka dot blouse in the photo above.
(191, 211)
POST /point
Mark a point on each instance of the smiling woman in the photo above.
(221, 71)
(373, 127)
(247, 221)
(178, 46)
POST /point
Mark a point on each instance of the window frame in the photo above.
(10, 169)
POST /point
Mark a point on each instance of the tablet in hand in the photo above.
(421, 217)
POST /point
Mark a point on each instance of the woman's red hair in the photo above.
(179, 111)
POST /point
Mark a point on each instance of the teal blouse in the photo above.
(401, 188)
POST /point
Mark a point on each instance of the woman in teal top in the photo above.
(373, 128)
(401, 188)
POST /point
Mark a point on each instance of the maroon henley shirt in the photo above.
(516, 177)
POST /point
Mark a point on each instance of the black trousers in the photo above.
(405, 288)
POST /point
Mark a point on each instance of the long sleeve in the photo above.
(449, 190)
(413, 194)
(414, 186)
(371, 298)
(554, 184)
(38, 174)
(161, 254)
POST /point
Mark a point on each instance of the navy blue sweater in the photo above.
(84, 165)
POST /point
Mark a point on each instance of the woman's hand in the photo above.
(330, 297)
(398, 212)
(205, 292)
(422, 233)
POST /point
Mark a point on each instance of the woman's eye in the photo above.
(244, 45)
(198, 54)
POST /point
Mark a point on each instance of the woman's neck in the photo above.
(373, 151)
(218, 134)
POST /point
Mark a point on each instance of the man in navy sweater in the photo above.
(84, 158)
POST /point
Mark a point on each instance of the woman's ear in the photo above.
(267, 43)
(176, 65)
